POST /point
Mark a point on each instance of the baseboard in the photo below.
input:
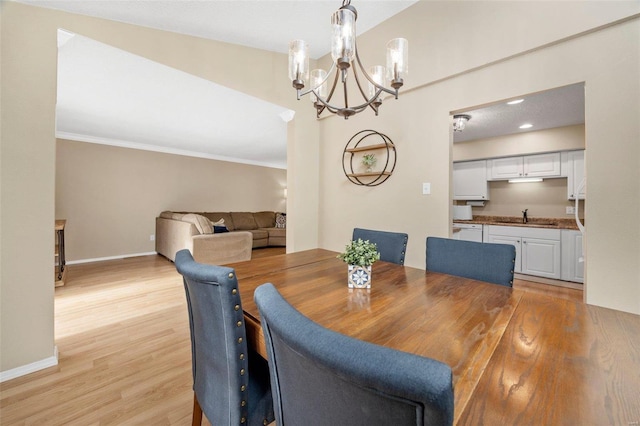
(549, 281)
(100, 259)
(30, 368)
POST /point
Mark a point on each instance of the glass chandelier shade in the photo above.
(298, 63)
(343, 37)
(347, 61)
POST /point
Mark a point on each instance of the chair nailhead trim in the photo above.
(237, 307)
(242, 388)
(239, 339)
(242, 420)
(234, 291)
(230, 274)
(243, 403)
(239, 324)
(241, 356)
(242, 371)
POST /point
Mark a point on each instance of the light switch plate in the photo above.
(426, 188)
(570, 210)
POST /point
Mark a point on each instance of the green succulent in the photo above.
(360, 253)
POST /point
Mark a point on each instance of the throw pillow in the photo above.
(219, 229)
(281, 220)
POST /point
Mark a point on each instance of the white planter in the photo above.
(359, 276)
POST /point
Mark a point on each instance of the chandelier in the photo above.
(345, 56)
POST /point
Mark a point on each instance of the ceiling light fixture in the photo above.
(515, 102)
(460, 122)
(345, 56)
(526, 126)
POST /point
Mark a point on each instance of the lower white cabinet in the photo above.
(541, 257)
(537, 249)
(514, 241)
(572, 256)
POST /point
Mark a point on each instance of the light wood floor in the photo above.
(124, 353)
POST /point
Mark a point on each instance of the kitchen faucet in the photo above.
(525, 219)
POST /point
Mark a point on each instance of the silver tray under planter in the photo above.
(359, 276)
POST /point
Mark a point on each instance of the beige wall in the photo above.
(559, 139)
(474, 53)
(110, 196)
(542, 199)
(28, 71)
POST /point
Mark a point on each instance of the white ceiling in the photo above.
(109, 96)
(106, 95)
(563, 106)
(264, 24)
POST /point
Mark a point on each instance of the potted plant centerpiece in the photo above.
(369, 162)
(360, 255)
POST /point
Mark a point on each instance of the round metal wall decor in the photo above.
(369, 158)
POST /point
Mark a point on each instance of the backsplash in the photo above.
(542, 199)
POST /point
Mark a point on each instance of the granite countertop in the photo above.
(534, 222)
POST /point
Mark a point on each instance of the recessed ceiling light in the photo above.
(526, 126)
(514, 102)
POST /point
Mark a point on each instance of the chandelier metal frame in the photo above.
(340, 69)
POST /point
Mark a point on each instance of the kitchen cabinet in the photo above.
(514, 241)
(537, 249)
(470, 180)
(541, 257)
(572, 256)
(573, 162)
(539, 165)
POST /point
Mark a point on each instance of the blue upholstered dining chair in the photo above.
(230, 382)
(489, 262)
(320, 377)
(391, 245)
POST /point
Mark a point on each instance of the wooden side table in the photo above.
(60, 262)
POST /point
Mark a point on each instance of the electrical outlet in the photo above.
(152, 237)
(570, 210)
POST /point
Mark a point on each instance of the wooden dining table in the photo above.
(517, 357)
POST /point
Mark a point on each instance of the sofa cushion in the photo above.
(243, 221)
(277, 232)
(265, 219)
(203, 224)
(277, 237)
(216, 216)
(259, 234)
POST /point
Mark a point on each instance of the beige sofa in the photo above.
(194, 231)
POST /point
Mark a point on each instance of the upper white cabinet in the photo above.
(505, 168)
(539, 165)
(573, 169)
(470, 180)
